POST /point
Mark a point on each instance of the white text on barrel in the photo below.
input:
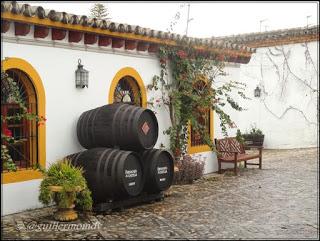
(162, 170)
(131, 173)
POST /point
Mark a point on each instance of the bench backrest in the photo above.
(229, 145)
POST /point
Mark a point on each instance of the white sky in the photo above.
(209, 18)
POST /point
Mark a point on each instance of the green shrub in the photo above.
(254, 131)
(64, 174)
(240, 137)
(190, 169)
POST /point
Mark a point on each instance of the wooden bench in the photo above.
(231, 151)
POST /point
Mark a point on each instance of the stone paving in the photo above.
(278, 202)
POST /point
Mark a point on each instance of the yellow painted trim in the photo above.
(78, 27)
(24, 175)
(20, 176)
(202, 148)
(47, 22)
(128, 71)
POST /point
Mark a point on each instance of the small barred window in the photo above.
(24, 151)
(204, 120)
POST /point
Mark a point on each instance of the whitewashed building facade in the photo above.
(286, 69)
(41, 48)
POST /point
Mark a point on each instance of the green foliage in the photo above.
(8, 163)
(183, 96)
(64, 174)
(10, 94)
(254, 131)
(240, 137)
(99, 11)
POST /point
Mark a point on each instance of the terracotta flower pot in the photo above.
(66, 212)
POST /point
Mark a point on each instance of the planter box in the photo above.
(253, 140)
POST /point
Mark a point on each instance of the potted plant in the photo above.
(65, 185)
(254, 137)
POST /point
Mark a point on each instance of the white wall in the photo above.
(65, 103)
(284, 127)
(56, 63)
(17, 197)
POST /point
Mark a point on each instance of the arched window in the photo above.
(127, 91)
(196, 142)
(31, 147)
(128, 87)
(24, 151)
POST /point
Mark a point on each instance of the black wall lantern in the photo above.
(82, 76)
(257, 92)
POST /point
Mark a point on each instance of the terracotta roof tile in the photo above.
(67, 18)
(291, 34)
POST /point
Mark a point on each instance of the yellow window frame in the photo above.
(128, 71)
(200, 148)
(22, 174)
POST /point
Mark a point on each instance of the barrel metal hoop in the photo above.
(75, 162)
(114, 129)
(132, 118)
(119, 176)
(155, 121)
(87, 129)
(98, 168)
(146, 163)
(80, 129)
(154, 167)
(106, 166)
(114, 165)
(92, 126)
(135, 125)
(122, 127)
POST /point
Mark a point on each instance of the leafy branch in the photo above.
(192, 89)
(10, 94)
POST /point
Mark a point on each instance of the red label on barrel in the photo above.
(145, 128)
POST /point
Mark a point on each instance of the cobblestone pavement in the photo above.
(278, 202)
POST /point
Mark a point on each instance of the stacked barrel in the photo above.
(120, 161)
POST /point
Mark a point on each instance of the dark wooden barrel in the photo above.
(111, 174)
(118, 125)
(158, 169)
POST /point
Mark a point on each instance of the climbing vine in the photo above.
(287, 73)
(10, 94)
(183, 98)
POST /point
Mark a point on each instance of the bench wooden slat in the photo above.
(230, 150)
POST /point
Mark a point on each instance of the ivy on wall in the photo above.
(281, 62)
(187, 67)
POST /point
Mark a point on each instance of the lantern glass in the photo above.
(82, 76)
(257, 92)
